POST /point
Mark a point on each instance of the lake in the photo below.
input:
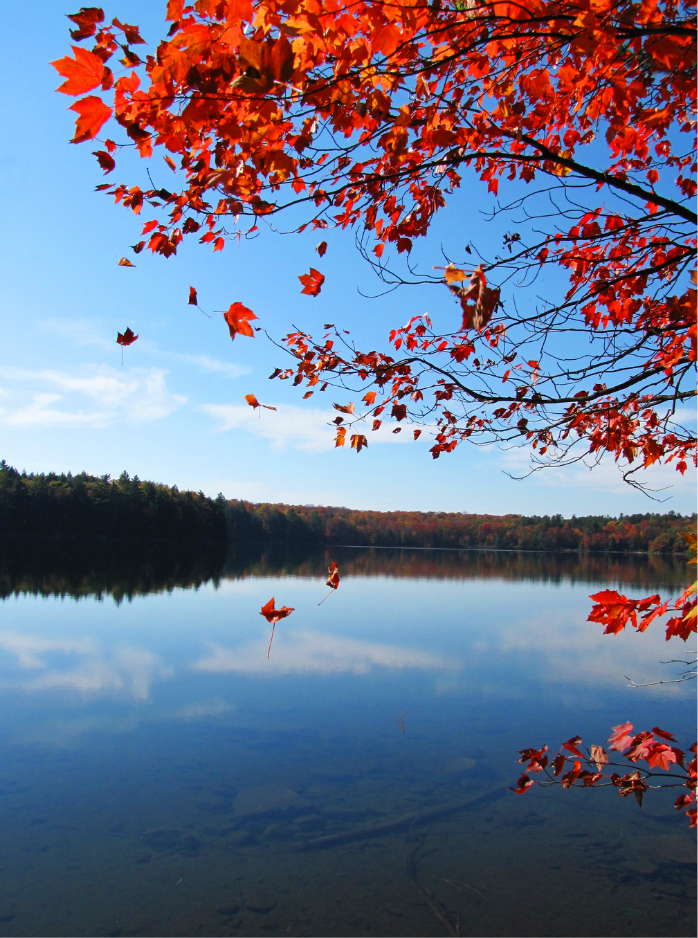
(162, 776)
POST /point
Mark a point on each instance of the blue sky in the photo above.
(174, 412)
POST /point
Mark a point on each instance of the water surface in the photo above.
(162, 776)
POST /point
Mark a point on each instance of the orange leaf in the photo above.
(333, 578)
(253, 402)
(345, 409)
(125, 262)
(238, 317)
(273, 615)
(312, 282)
(93, 112)
(369, 398)
(83, 73)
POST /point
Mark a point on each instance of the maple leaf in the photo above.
(93, 113)
(126, 337)
(193, 301)
(83, 73)
(345, 408)
(321, 248)
(599, 756)
(359, 441)
(524, 784)
(621, 737)
(571, 746)
(273, 615)
(238, 318)
(106, 161)
(86, 21)
(264, 64)
(312, 282)
(125, 262)
(333, 576)
(476, 314)
(253, 402)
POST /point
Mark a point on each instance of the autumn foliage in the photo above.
(370, 116)
(576, 340)
(582, 767)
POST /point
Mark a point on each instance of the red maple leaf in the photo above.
(238, 318)
(312, 282)
(93, 112)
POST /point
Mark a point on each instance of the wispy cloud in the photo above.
(81, 665)
(297, 427)
(309, 652)
(85, 332)
(91, 396)
(607, 476)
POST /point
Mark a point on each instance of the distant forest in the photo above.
(88, 506)
(288, 524)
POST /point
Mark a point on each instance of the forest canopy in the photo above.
(89, 506)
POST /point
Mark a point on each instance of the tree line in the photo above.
(82, 505)
(653, 533)
(89, 506)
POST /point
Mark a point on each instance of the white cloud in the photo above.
(208, 364)
(309, 652)
(92, 396)
(300, 427)
(607, 476)
(80, 665)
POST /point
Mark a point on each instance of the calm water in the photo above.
(162, 776)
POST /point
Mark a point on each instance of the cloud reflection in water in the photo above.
(309, 652)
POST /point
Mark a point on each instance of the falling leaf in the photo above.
(126, 338)
(476, 314)
(273, 615)
(193, 301)
(312, 282)
(137, 248)
(369, 398)
(125, 262)
(238, 317)
(105, 161)
(332, 580)
(253, 402)
(321, 248)
(345, 409)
